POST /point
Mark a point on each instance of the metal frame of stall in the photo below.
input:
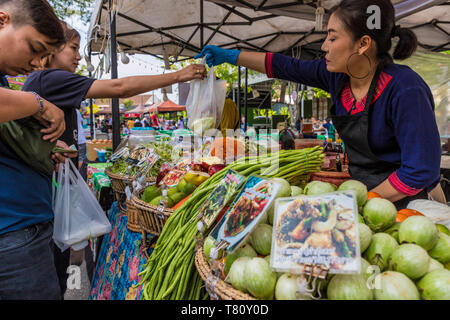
(281, 9)
(309, 48)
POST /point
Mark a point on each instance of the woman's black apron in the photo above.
(364, 166)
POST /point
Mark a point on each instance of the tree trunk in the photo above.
(283, 91)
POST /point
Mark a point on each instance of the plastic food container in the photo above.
(141, 136)
(101, 155)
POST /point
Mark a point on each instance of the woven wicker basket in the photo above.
(119, 184)
(121, 202)
(133, 217)
(222, 290)
(333, 177)
(151, 221)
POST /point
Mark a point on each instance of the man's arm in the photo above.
(19, 105)
(11, 100)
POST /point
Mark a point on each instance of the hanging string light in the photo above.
(123, 56)
(103, 65)
(90, 67)
(320, 13)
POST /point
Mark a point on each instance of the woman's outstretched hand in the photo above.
(216, 55)
(194, 71)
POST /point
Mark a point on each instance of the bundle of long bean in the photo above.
(170, 272)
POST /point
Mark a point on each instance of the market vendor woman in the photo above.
(383, 111)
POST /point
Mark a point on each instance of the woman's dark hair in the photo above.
(70, 34)
(38, 14)
(355, 16)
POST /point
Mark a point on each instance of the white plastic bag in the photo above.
(78, 215)
(205, 102)
(436, 211)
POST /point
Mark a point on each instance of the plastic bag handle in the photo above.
(53, 190)
(66, 191)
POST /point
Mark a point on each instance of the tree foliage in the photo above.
(225, 71)
(68, 8)
(128, 103)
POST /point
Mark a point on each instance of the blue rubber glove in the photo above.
(216, 55)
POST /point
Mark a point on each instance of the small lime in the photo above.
(172, 191)
(177, 197)
(150, 193)
(189, 188)
(181, 185)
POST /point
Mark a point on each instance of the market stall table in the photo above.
(447, 139)
(100, 184)
(445, 162)
(120, 261)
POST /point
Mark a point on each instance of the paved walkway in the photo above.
(83, 292)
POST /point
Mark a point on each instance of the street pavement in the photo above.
(83, 292)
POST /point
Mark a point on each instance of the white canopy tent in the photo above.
(174, 30)
(179, 28)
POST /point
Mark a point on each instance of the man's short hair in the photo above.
(38, 14)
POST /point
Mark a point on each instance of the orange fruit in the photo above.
(401, 217)
(372, 194)
(409, 212)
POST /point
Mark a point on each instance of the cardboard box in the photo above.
(307, 143)
(281, 125)
(91, 146)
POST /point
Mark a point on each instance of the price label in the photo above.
(173, 178)
(132, 161)
(128, 193)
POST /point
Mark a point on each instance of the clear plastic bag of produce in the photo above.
(78, 215)
(205, 102)
(436, 211)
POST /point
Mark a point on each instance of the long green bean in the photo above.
(170, 273)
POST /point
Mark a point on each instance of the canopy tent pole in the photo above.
(114, 75)
(91, 102)
(302, 113)
(239, 93)
(245, 99)
(202, 29)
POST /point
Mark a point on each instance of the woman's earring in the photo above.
(370, 66)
